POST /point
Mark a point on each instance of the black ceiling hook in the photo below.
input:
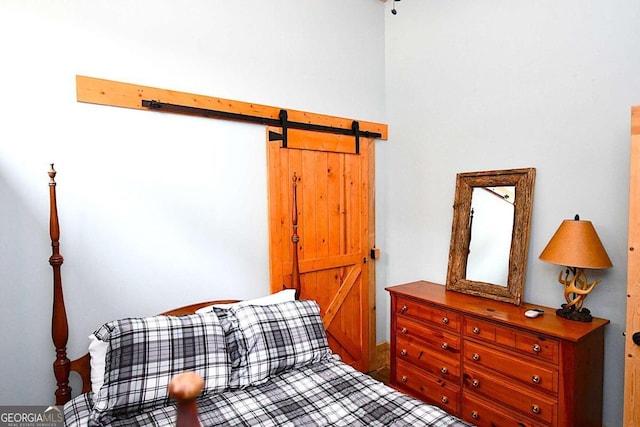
(393, 9)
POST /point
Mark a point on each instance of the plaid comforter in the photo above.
(325, 393)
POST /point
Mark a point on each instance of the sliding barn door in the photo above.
(632, 348)
(336, 230)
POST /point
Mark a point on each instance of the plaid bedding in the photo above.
(265, 340)
(326, 393)
(145, 353)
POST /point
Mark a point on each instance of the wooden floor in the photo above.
(381, 375)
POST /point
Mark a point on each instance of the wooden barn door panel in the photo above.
(335, 228)
(632, 350)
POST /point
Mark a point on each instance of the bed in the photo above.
(261, 362)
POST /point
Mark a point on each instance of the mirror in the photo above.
(490, 233)
(490, 226)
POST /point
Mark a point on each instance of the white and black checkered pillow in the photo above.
(145, 353)
(265, 340)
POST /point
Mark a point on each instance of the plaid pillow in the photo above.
(145, 353)
(265, 340)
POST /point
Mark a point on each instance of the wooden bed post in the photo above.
(59, 326)
(295, 273)
(185, 389)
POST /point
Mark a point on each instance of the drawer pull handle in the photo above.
(476, 330)
(475, 357)
(535, 379)
(445, 320)
(536, 348)
(444, 345)
(403, 379)
(444, 370)
(404, 309)
(475, 383)
(475, 415)
(404, 330)
(535, 409)
(403, 352)
(444, 399)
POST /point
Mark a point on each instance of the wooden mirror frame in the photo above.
(523, 180)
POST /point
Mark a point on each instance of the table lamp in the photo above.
(577, 246)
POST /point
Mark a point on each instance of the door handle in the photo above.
(636, 338)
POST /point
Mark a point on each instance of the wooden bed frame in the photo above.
(181, 388)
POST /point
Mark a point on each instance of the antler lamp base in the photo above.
(575, 292)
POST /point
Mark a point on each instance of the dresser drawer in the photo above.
(428, 313)
(422, 355)
(485, 413)
(534, 345)
(534, 404)
(425, 387)
(533, 374)
(440, 341)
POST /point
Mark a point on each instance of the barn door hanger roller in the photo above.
(286, 125)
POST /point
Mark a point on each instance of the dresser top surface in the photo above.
(548, 323)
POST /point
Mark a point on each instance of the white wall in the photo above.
(156, 210)
(479, 85)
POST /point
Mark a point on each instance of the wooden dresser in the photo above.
(487, 363)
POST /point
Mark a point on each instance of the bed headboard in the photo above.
(62, 366)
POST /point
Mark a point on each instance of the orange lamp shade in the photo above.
(576, 244)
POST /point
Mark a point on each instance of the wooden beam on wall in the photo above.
(117, 94)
